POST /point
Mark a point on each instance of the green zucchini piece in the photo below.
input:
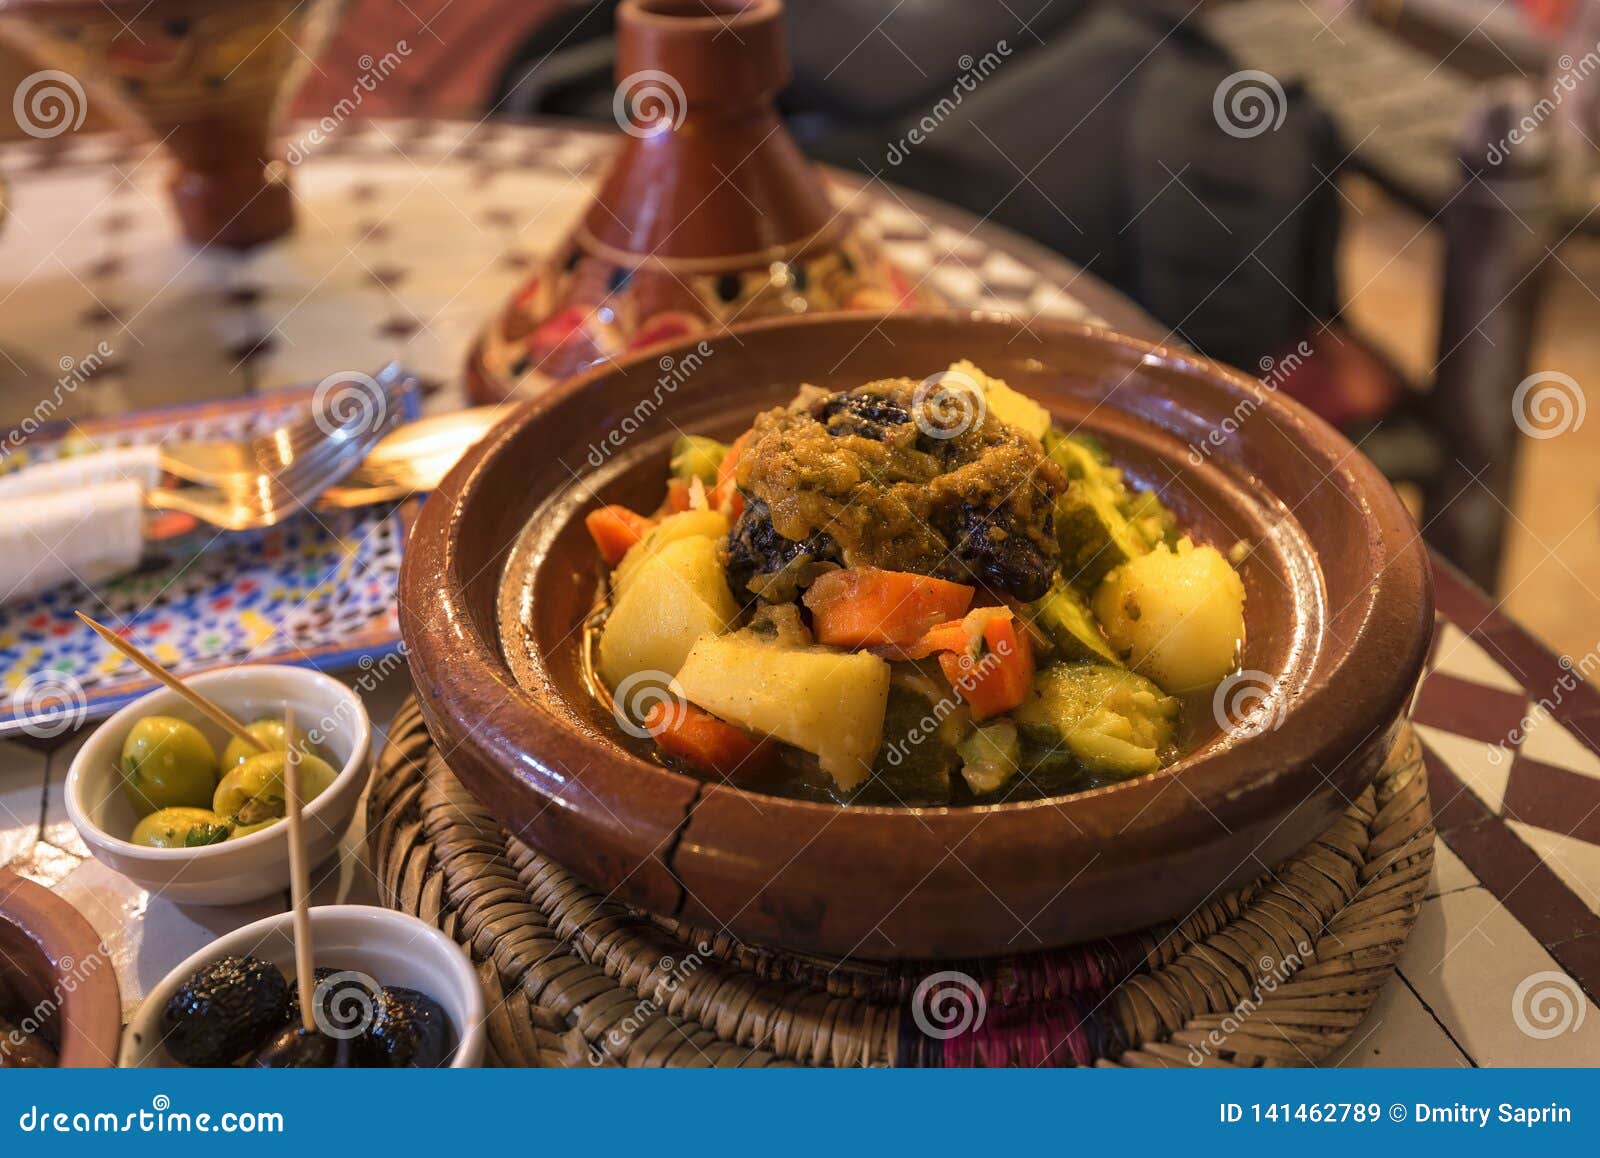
(695, 456)
(1086, 462)
(916, 763)
(989, 756)
(1113, 721)
(1080, 456)
(1065, 619)
(1095, 537)
(1149, 516)
(1091, 526)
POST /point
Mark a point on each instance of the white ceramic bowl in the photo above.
(391, 948)
(252, 866)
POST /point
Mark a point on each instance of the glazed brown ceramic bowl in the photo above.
(56, 972)
(1338, 616)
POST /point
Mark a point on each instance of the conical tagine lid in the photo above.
(709, 214)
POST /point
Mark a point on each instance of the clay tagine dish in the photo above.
(709, 214)
(501, 580)
(58, 985)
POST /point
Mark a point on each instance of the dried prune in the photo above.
(864, 415)
(758, 554)
(990, 547)
(899, 476)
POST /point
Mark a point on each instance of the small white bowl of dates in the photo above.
(173, 802)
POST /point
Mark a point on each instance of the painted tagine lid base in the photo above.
(709, 215)
(582, 309)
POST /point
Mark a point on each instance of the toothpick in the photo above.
(299, 877)
(214, 712)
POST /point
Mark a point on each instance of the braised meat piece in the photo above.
(894, 475)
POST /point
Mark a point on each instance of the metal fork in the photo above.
(295, 471)
(342, 406)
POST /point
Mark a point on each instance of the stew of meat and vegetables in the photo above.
(909, 593)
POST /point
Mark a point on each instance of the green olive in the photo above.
(247, 829)
(270, 733)
(167, 763)
(181, 828)
(253, 791)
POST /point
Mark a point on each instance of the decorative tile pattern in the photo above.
(409, 234)
(1509, 734)
(1470, 962)
(318, 589)
(22, 770)
(1400, 1031)
(1450, 873)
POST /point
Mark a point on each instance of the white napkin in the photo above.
(90, 533)
(139, 463)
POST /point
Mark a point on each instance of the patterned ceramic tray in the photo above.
(318, 590)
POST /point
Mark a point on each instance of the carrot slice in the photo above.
(615, 529)
(998, 677)
(726, 496)
(868, 607)
(954, 636)
(708, 743)
(677, 495)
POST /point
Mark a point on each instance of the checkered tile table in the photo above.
(409, 234)
(412, 231)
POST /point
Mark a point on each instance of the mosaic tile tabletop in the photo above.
(411, 231)
(317, 590)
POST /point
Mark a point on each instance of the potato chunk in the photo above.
(1008, 405)
(826, 702)
(1177, 616)
(685, 525)
(678, 595)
